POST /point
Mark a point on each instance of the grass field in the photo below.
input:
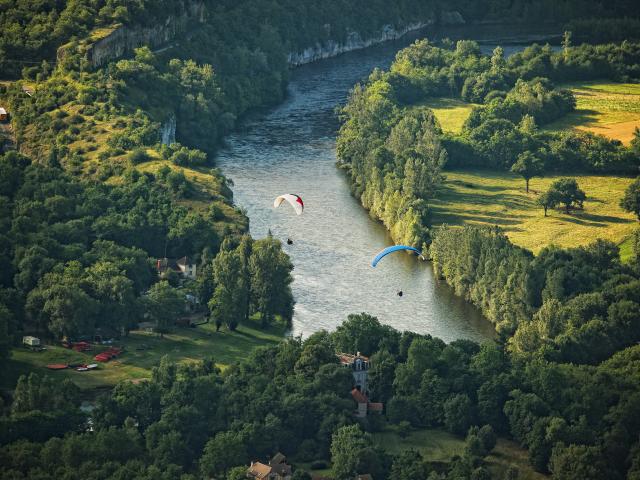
(438, 446)
(183, 345)
(609, 109)
(483, 197)
(450, 112)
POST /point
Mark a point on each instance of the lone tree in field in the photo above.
(631, 200)
(528, 166)
(567, 192)
(547, 200)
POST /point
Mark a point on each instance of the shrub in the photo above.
(139, 155)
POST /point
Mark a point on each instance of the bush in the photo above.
(139, 155)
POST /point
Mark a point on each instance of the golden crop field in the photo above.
(609, 109)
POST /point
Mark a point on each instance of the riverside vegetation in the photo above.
(572, 310)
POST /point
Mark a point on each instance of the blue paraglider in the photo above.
(392, 249)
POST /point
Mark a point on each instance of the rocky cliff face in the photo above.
(354, 42)
(168, 130)
(123, 39)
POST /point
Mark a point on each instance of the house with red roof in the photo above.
(359, 365)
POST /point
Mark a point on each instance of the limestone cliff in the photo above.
(354, 41)
(121, 40)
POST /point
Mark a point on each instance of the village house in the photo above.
(4, 116)
(277, 469)
(183, 266)
(359, 365)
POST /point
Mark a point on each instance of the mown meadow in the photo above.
(486, 197)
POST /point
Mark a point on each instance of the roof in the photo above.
(364, 476)
(184, 261)
(358, 396)
(2, 111)
(259, 470)
(277, 458)
(376, 406)
(348, 358)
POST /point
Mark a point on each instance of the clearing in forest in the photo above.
(450, 112)
(609, 109)
(438, 446)
(485, 197)
(143, 351)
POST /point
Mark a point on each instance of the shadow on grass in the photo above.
(506, 200)
(592, 220)
(579, 117)
(473, 186)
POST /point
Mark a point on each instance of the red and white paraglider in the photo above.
(295, 201)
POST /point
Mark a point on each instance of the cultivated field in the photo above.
(142, 352)
(609, 109)
(484, 197)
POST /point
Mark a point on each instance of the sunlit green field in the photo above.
(450, 112)
(609, 109)
(438, 446)
(143, 351)
(484, 197)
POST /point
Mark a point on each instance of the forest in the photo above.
(577, 420)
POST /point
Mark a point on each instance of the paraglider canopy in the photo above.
(294, 200)
(391, 249)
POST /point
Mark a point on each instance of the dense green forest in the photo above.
(78, 256)
(578, 420)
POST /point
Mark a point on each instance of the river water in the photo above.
(291, 149)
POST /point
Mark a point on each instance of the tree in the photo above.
(348, 445)
(61, 302)
(631, 200)
(221, 453)
(547, 200)
(5, 320)
(577, 461)
(229, 298)
(566, 44)
(528, 166)
(458, 414)
(360, 333)
(164, 304)
(567, 192)
(497, 59)
(270, 270)
(409, 465)
(114, 292)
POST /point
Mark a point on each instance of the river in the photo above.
(291, 149)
